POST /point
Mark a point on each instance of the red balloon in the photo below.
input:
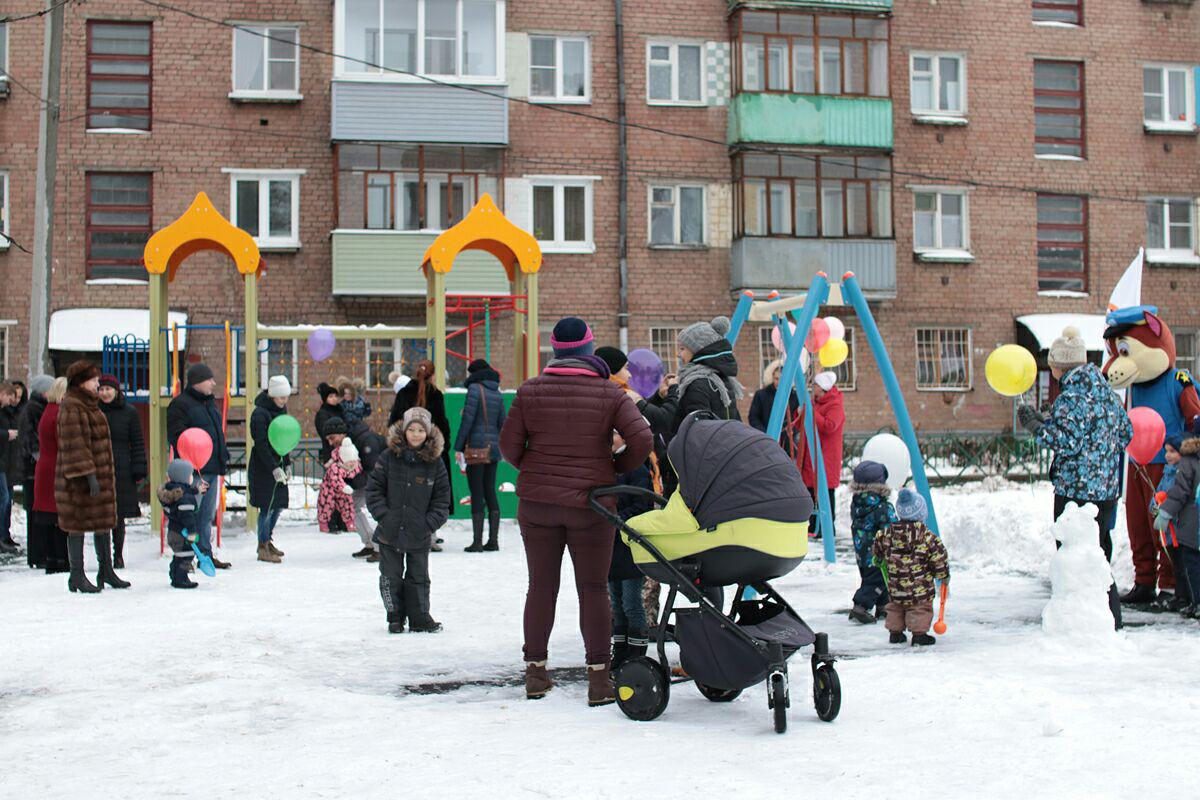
(196, 446)
(818, 335)
(1149, 431)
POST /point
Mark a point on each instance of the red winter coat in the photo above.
(559, 435)
(829, 418)
(43, 473)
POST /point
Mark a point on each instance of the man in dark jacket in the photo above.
(129, 458)
(195, 407)
(408, 493)
(8, 442)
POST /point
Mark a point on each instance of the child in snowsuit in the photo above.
(336, 496)
(408, 493)
(625, 580)
(870, 513)
(1178, 520)
(354, 406)
(180, 498)
(912, 558)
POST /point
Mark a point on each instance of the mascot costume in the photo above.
(1141, 350)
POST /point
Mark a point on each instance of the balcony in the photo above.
(809, 119)
(763, 263)
(376, 111)
(882, 6)
(387, 264)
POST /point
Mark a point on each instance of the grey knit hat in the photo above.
(40, 385)
(180, 470)
(700, 335)
(420, 416)
(910, 506)
(1068, 350)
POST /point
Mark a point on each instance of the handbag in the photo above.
(479, 455)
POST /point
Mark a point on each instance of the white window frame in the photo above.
(1186, 125)
(675, 187)
(1167, 255)
(397, 359)
(5, 204)
(559, 98)
(936, 78)
(264, 363)
(939, 251)
(671, 358)
(4, 60)
(674, 62)
(559, 182)
(264, 176)
(967, 350)
(1189, 362)
(6, 325)
(385, 76)
(265, 93)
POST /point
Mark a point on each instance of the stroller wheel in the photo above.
(777, 699)
(718, 695)
(827, 692)
(643, 688)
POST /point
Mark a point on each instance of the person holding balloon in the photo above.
(1177, 519)
(196, 409)
(829, 425)
(275, 434)
(1088, 430)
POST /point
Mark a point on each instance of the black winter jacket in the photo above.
(760, 414)
(408, 492)
(435, 404)
(15, 463)
(701, 395)
(7, 449)
(265, 492)
(129, 453)
(181, 504)
(483, 385)
(194, 410)
(27, 427)
(371, 447)
(324, 414)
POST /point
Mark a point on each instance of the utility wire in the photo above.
(36, 14)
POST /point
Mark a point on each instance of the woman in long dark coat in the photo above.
(129, 458)
(421, 391)
(267, 471)
(36, 536)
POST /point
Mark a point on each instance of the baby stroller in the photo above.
(739, 518)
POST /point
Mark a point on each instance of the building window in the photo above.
(798, 53)
(1168, 98)
(1069, 12)
(1187, 350)
(767, 352)
(280, 357)
(1062, 242)
(940, 221)
(118, 224)
(810, 196)
(847, 371)
(562, 214)
(559, 69)
(266, 205)
(677, 215)
(413, 187)
(662, 342)
(1171, 229)
(4, 350)
(3, 57)
(674, 73)
(545, 349)
(943, 359)
(939, 83)
(118, 69)
(266, 62)
(383, 357)
(3, 210)
(1058, 108)
(453, 38)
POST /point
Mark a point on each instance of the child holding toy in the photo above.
(180, 498)
(912, 558)
(1178, 520)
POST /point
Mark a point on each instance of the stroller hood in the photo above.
(728, 471)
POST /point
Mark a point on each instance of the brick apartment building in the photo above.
(975, 163)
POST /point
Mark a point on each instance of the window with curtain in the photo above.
(266, 61)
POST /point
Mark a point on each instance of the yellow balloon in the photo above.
(834, 352)
(1010, 370)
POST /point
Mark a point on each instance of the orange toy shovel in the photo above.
(939, 627)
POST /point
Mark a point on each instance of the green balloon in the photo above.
(284, 434)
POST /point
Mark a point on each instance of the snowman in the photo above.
(1079, 579)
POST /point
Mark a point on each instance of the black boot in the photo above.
(106, 575)
(118, 541)
(493, 542)
(395, 622)
(179, 574)
(1139, 595)
(636, 643)
(922, 640)
(620, 650)
(78, 582)
(476, 545)
(897, 637)
(1114, 605)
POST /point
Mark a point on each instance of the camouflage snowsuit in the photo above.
(913, 558)
(332, 498)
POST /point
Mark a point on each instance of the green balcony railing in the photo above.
(808, 119)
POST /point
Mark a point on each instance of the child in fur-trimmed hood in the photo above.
(1178, 520)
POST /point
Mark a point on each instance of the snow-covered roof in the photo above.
(1048, 327)
(82, 330)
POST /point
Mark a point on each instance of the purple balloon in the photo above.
(320, 344)
(645, 372)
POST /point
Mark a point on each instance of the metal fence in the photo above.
(959, 457)
(306, 469)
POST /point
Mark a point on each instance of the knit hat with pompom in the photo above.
(1069, 349)
(702, 334)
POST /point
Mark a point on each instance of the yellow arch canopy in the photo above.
(200, 228)
(487, 229)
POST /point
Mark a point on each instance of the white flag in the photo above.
(1128, 291)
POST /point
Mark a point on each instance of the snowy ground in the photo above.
(281, 681)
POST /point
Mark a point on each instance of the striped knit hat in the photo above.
(572, 337)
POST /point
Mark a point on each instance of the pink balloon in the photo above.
(777, 339)
(196, 446)
(818, 335)
(1149, 431)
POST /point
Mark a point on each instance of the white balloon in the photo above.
(804, 361)
(889, 450)
(837, 330)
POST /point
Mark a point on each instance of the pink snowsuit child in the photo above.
(337, 495)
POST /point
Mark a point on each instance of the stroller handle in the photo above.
(610, 491)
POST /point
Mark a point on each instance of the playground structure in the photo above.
(803, 310)
(201, 228)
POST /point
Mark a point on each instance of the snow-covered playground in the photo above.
(282, 681)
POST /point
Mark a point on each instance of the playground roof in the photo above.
(82, 330)
(485, 228)
(1048, 327)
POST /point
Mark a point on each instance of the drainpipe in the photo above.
(622, 188)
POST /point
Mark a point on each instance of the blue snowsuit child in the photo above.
(625, 580)
(1177, 519)
(180, 498)
(870, 512)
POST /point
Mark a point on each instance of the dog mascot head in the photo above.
(1140, 346)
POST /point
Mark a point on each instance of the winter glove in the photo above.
(93, 485)
(347, 488)
(1030, 418)
(1162, 521)
(279, 475)
(190, 537)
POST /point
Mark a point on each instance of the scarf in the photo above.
(578, 365)
(693, 372)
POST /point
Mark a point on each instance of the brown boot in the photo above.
(537, 680)
(271, 546)
(265, 554)
(600, 685)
